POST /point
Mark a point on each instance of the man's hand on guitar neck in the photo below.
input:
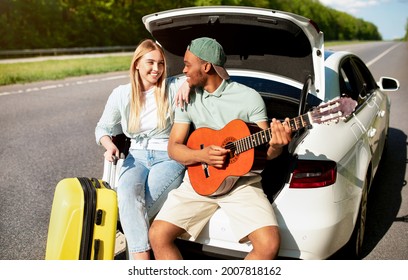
(281, 136)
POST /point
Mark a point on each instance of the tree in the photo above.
(31, 24)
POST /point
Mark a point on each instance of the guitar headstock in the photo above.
(334, 110)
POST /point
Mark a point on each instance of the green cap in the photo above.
(210, 50)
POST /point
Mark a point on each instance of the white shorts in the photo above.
(246, 205)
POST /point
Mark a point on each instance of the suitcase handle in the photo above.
(115, 160)
(96, 183)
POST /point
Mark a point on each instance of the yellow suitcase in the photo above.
(83, 221)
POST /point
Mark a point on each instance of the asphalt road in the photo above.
(47, 134)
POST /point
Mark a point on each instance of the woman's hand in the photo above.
(182, 95)
(111, 155)
(112, 152)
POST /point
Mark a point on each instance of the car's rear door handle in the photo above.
(371, 133)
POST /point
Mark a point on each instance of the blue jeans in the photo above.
(146, 177)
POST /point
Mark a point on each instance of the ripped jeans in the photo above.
(146, 177)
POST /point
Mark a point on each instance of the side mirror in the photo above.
(388, 84)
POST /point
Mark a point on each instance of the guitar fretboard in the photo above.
(265, 136)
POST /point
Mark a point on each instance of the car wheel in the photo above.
(355, 244)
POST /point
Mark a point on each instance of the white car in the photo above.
(319, 186)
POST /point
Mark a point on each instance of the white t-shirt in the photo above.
(148, 122)
(148, 115)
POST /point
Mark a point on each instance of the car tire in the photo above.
(354, 247)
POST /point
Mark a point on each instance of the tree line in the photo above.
(38, 24)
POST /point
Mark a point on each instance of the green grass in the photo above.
(339, 43)
(27, 72)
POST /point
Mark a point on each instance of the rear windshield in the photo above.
(282, 100)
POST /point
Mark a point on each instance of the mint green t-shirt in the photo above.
(230, 101)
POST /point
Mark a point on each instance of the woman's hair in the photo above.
(137, 99)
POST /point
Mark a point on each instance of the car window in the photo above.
(281, 100)
(355, 79)
(348, 79)
(365, 75)
(276, 88)
(268, 86)
(345, 86)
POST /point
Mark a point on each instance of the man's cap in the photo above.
(210, 50)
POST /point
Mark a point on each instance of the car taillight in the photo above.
(313, 174)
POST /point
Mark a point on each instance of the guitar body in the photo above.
(211, 181)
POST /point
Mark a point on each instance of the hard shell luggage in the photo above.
(111, 171)
(83, 220)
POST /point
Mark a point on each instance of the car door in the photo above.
(357, 82)
(378, 128)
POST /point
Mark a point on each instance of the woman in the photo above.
(143, 111)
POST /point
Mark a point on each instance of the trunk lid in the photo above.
(254, 39)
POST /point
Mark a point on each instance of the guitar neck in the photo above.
(264, 136)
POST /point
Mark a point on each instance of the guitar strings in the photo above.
(248, 142)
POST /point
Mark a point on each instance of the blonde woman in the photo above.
(143, 111)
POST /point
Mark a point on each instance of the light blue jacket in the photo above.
(115, 117)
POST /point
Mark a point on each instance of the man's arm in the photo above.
(212, 155)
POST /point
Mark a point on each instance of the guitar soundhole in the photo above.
(229, 144)
(232, 158)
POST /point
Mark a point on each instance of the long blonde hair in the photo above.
(137, 100)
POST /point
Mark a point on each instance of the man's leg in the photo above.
(162, 235)
(265, 242)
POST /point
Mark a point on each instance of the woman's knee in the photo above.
(126, 190)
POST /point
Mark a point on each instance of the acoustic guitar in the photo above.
(242, 138)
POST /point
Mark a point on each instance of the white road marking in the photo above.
(371, 62)
(63, 85)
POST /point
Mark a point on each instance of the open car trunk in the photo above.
(255, 39)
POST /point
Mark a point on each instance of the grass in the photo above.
(27, 72)
(340, 43)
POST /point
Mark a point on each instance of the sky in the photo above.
(390, 16)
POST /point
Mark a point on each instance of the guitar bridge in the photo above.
(206, 170)
(204, 165)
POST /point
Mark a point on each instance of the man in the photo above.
(217, 101)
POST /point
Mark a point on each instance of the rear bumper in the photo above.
(306, 233)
